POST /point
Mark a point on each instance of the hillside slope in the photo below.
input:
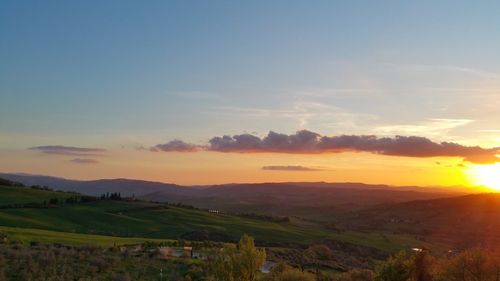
(97, 187)
(160, 221)
(313, 201)
(460, 221)
(317, 200)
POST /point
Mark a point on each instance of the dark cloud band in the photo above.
(307, 142)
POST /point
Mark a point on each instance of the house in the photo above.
(178, 252)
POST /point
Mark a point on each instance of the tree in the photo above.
(356, 275)
(396, 268)
(318, 253)
(237, 263)
(471, 265)
(421, 264)
(222, 266)
(251, 259)
(2, 268)
(283, 272)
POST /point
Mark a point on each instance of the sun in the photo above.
(485, 175)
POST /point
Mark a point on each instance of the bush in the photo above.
(471, 265)
(283, 272)
(396, 268)
(356, 275)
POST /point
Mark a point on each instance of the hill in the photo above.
(96, 187)
(125, 218)
(360, 236)
(317, 200)
(16, 194)
(463, 221)
(311, 200)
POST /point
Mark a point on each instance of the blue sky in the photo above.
(129, 73)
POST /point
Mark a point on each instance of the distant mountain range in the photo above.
(95, 187)
(306, 199)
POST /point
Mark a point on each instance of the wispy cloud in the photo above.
(69, 150)
(84, 161)
(296, 168)
(432, 127)
(485, 74)
(308, 142)
(304, 113)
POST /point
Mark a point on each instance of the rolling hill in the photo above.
(463, 221)
(311, 200)
(317, 200)
(15, 195)
(434, 215)
(140, 219)
(438, 224)
(97, 187)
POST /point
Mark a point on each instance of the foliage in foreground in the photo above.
(470, 265)
(284, 272)
(241, 262)
(63, 263)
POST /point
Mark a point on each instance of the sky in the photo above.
(148, 89)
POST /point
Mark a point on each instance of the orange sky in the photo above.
(213, 167)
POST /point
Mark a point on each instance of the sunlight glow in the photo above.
(485, 175)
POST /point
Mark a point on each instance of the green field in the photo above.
(26, 235)
(105, 221)
(10, 195)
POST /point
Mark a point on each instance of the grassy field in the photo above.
(26, 235)
(10, 195)
(139, 219)
(107, 220)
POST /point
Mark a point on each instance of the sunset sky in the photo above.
(400, 92)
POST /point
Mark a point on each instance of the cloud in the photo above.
(432, 127)
(304, 113)
(443, 69)
(69, 150)
(84, 161)
(290, 168)
(301, 142)
(307, 142)
(176, 146)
